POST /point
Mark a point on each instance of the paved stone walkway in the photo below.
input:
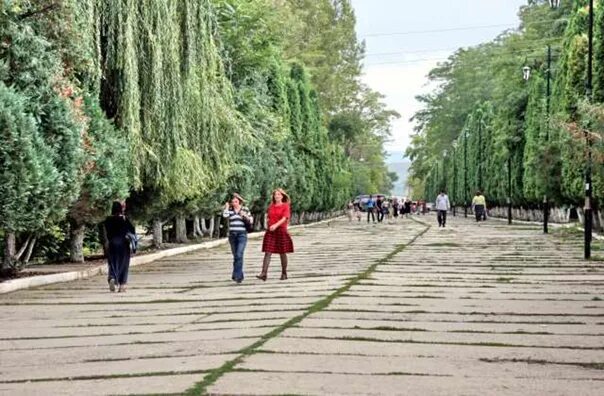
(387, 309)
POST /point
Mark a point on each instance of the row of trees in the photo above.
(172, 105)
(488, 128)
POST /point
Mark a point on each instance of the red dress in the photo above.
(278, 241)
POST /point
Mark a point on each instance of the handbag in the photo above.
(249, 224)
(133, 241)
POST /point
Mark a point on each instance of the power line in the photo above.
(412, 52)
(533, 57)
(517, 25)
(544, 41)
(405, 62)
(438, 30)
(537, 46)
(523, 51)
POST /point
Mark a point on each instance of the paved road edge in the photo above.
(43, 280)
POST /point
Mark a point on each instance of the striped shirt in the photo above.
(236, 223)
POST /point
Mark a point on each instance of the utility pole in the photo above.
(547, 118)
(588, 210)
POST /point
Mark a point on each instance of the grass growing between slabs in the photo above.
(201, 387)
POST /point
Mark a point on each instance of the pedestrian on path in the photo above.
(370, 206)
(380, 209)
(479, 205)
(442, 206)
(395, 203)
(240, 220)
(357, 210)
(407, 207)
(350, 210)
(118, 233)
(277, 239)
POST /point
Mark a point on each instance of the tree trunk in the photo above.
(212, 226)
(158, 236)
(196, 228)
(181, 229)
(10, 249)
(258, 221)
(218, 227)
(76, 248)
(30, 250)
(205, 231)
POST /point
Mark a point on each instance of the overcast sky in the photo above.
(397, 64)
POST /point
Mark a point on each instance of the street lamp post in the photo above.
(480, 187)
(526, 73)
(588, 185)
(454, 180)
(465, 172)
(547, 116)
(553, 4)
(510, 186)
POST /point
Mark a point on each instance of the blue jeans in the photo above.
(238, 240)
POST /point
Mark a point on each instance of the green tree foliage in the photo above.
(41, 134)
(482, 94)
(175, 104)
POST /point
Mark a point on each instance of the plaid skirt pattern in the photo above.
(278, 241)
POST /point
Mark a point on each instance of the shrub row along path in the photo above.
(405, 308)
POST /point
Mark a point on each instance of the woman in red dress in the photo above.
(277, 239)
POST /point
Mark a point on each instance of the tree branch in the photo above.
(30, 249)
(43, 10)
(22, 250)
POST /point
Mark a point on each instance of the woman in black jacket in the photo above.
(117, 246)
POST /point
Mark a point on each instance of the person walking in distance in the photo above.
(407, 207)
(350, 210)
(240, 220)
(117, 231)
(277, 239)
(379, 204)
(370, 206)
(442, 206)
(479, 205)
(357, 210)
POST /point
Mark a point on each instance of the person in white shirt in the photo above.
(442, 206)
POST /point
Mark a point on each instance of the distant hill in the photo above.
(400, 166)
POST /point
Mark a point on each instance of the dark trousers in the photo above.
(238, 241)
(380, 216)
(370, 213)
(119, 260)
(479, 212)
(442, 218)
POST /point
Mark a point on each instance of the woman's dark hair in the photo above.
(117, 208)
